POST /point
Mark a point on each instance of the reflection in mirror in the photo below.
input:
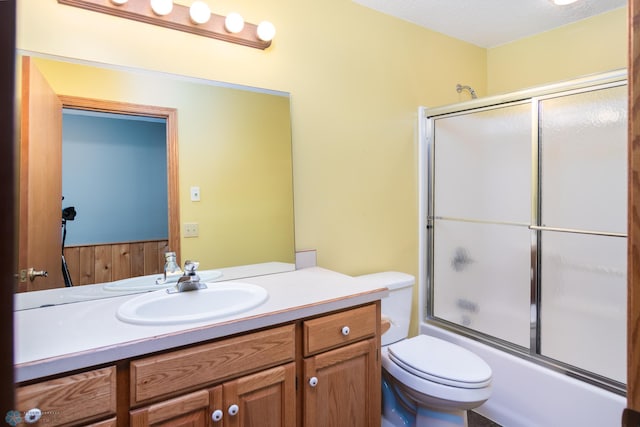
(234, 145)
(124, 158)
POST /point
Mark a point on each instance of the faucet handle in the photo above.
(190, 267)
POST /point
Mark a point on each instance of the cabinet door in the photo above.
(264, 399)
(107, 423)
(342, 387)
(193, 410)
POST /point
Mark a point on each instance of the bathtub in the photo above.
(527, 395)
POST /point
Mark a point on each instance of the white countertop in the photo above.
(61, 338)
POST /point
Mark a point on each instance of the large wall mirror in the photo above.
(143, 156)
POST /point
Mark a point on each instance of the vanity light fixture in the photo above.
(162, 7)
(266, 31)
(199, 12)
(234, 23)
(196, 19)
(563, 2)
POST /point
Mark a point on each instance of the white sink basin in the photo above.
(218, 300)
(148, 283)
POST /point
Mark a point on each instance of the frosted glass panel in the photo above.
(583, 305)
(481, 278)
(483, 165)
(584, 160)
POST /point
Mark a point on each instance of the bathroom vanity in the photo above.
(307, 356)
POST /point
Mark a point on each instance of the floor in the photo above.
(477, 420)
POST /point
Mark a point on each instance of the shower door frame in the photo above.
(426, 215)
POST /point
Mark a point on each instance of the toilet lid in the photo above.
(440, 361)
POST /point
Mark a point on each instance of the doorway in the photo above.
(146, 255)
(114, 191)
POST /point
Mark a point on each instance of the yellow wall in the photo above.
(356, 78)
(589, 46)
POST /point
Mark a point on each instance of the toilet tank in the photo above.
(396, 307)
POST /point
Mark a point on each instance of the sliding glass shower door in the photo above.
(526, 226)
(583, 219)
(481, 210)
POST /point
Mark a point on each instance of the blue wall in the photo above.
(114, 172)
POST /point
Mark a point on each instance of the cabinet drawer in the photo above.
(184, 370)
(72, 399)
(338, 329)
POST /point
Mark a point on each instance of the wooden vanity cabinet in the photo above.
(329, 365)
(342, 369)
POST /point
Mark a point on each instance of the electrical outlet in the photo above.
(190, 229)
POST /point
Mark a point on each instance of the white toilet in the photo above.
(426, 381)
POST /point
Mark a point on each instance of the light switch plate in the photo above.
(195, 194)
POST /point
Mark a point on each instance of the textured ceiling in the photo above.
(490, 23)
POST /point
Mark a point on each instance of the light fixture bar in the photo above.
(178, 19)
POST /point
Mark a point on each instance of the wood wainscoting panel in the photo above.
(136, 256)
(89, 264)
(121, 257)
(104, 264)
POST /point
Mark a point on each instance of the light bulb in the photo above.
(234, 22)
(162, 7)
(119, 2)
(266, 31)
(199, 12)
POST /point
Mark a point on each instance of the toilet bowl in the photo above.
(426, 381)
(439, 381)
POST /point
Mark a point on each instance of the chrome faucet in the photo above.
(190, 281)
(171, 268)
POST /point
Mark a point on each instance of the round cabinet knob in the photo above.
(313, 381)
(345, 330)
(233, 410)
(217, 415)
(32, 416)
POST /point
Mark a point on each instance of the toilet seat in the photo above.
(431, 393)
(440, 361)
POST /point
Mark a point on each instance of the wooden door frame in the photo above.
(633, 242)
(171, 117)
(8, 216)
